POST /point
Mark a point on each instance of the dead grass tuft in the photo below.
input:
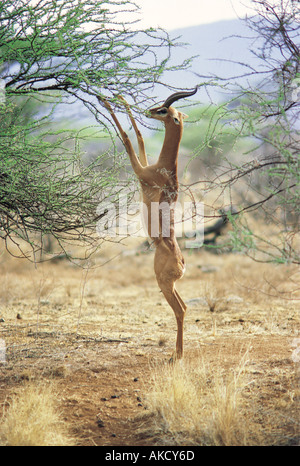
(32, 419)
(193, 405)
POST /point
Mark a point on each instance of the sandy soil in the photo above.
(97, 335)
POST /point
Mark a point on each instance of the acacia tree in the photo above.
(54, 52)
(263, 115)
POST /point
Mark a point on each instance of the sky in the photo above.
(175, 14)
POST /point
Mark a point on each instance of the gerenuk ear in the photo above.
(184, 116)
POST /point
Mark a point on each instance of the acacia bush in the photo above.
(56, 57)
(262, 117)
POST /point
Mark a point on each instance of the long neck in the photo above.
(169, 153)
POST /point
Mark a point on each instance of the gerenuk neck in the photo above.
(169, 153)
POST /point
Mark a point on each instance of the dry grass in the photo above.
(32, 419)
(194, 405)
(99, 332)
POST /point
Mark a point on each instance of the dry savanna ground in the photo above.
(84, 353)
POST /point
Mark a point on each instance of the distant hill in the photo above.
(216, 45)
(221, 48)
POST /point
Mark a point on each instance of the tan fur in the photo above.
(159, 184)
